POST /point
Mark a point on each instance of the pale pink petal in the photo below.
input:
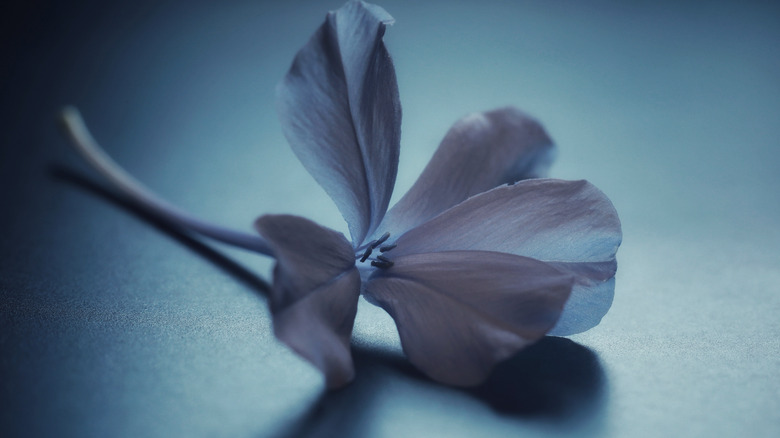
(315, 292)
(341, 114)
(570, 223)
(460, 312)
(480, 152)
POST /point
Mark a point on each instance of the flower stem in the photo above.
(88, 148)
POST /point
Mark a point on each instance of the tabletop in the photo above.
(114, 324)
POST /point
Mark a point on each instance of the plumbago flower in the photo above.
(479, 259)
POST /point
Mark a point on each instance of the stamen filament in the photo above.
(385, 248)
(381, 265)
(88, 148)
(381, 240)
(366, 254)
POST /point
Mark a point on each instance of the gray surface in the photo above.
(111, 325)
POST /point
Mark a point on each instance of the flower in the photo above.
(479, 259)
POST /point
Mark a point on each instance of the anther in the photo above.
(382, 258)
(366, 254)
(381, 240)
(381, 264)
(385, 248)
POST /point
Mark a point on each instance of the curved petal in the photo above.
(459, 313)
(315, 292)
(591, 297)
(340, 112)
(571, 223)
(480, 152)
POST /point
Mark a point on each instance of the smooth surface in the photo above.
(112, 326)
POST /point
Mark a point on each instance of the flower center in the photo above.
(379, 261)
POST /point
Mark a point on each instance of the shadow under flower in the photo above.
(554, 379)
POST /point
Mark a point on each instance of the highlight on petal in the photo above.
(591, 297)
(341, 114)
(480, 152)
(315, 292)
(570, 223)
(459, 313)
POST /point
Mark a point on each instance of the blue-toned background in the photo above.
(111, 325)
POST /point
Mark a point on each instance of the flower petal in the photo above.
(571, 223)
(460, 312)
(480, 152)
(340, 112)
(315, 292)
(591, 297)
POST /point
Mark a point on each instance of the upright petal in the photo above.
(459, 313)
(315, 292)
(340, 111)
(571, 223)
(480, 152)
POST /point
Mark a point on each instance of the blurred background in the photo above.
(111, 324)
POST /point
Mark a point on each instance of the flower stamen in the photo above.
(380, 261)
(381, 240)
(381, 264)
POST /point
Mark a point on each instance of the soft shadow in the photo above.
(348, 412)
(229, 266)
(555, 379)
